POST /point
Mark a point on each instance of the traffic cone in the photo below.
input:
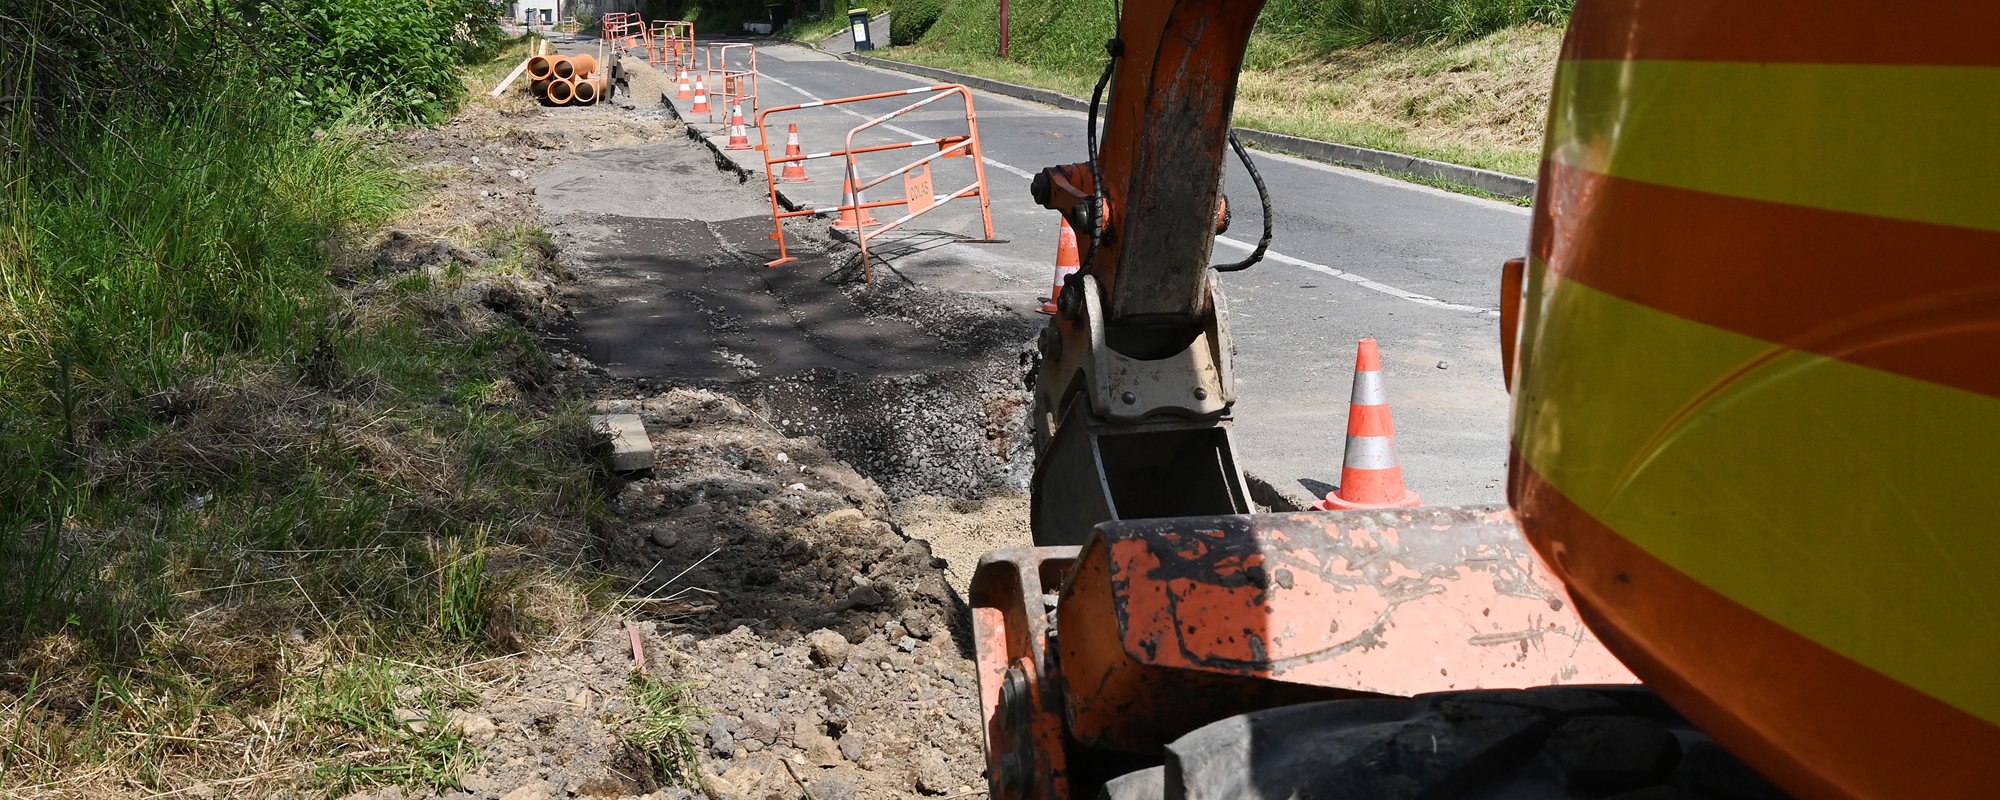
(1370, 475)
(739, 139)
(700, 97)
(686, 90)
(850, 198)
(795, 172)
(1066, 264)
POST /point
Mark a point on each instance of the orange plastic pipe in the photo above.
(561, 91)
(564, 67)
(583, 64)
(540, 67)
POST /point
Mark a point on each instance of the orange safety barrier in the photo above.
(676, 43)
(622, 29)
(919, 196)
(737, 84)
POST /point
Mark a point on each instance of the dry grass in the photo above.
(1482, 103)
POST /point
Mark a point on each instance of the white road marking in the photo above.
(1419, 299)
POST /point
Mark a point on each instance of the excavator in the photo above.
(1755, 449)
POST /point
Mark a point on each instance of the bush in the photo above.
(912, 19)
(398, 58)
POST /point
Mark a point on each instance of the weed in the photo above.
(662, 728)
(384, 723)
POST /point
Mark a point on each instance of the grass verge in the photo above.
(1472, 94)
(272, 497)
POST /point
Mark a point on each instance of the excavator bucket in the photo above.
(1166, 625)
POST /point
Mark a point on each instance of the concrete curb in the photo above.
(722, 159)
(1498, 183)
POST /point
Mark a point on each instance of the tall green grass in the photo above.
(137, 250)
(1071, 35)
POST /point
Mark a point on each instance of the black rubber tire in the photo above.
(1614, 742)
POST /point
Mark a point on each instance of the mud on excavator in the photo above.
(1749, 466)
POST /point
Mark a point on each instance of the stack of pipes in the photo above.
(562, 80)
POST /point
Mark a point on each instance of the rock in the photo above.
(631, 450)
(697, 510)
(834, 787)
(917, 624)
(475, 728)
(907, 644)
(853, 746)
(932, 776)
(665, 537)
(717, 786)
(843, 515)
(532, 790)
(864, 597)
(720, 741)
(827, 648)
(413, 719)
(758, 727)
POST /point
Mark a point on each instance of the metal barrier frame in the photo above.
(948, 147)
(718, 52)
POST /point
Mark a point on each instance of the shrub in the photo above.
(397, 58)
(912, 19)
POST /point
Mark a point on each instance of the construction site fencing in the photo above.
(622, 29)
(919, 196)
(676, 42)
(736, 85)
(663, 46)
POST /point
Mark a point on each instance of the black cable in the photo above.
(1116, 47)
(1263, 197)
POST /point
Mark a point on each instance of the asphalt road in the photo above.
(1354, 255)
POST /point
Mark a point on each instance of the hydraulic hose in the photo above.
(1263, 197)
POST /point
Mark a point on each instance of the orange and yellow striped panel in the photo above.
(1757, 415)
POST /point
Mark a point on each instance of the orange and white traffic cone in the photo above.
(1370, 474)
(850, 201)
(795, 172)
(739, 139)
(1066, 264)
(700, 97)
(686, 90)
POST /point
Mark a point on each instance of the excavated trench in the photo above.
(831, 456)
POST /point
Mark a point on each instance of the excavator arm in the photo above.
(1134, 390)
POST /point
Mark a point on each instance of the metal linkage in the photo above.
(919, 197)
(736, 84)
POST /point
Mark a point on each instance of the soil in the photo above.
(831, 458)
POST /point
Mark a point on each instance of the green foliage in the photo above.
(1337, 24)
(1066, 35)
(663, 728)
(397, 58)
(1044, 33)
(912, 19)
(401, 713)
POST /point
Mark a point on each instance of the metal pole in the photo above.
(1003, 28)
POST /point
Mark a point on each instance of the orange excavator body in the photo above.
(1756, 409)
(1753, 436)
